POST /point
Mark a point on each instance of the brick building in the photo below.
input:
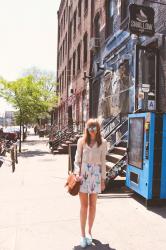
(74, 29)
(94, 41)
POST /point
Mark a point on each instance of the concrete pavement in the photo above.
(37, 213)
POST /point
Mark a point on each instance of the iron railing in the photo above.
(111, 125)
(118, 134)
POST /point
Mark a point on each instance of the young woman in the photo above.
(90, 169)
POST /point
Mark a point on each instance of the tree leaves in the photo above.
(32, 95)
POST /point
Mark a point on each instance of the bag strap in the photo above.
(81, 156)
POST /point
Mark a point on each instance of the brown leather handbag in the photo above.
(73, 186)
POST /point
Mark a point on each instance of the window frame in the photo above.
(85, 44)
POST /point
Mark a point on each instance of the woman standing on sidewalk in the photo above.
(91, 169)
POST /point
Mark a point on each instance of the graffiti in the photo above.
(117, 91)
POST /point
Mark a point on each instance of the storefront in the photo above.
(115, 85)
(132, 69)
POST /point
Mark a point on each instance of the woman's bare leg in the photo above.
(83, 211)
(92, 211)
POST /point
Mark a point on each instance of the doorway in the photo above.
(70, 117)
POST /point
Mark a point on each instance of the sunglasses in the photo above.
(90, 129)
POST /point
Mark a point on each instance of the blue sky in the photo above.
(28, 31)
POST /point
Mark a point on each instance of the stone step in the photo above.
(65, 149)
(62, 150)
(55, 152)
(64, 145)
(68, 142)
(114, 158)
(123, 144)
(119, 150)
(109, 165)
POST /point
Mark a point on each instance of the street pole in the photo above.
(20, 132)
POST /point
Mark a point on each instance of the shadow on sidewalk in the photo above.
(32, 153)
(34, 142)
(96, 245)
(159, 210)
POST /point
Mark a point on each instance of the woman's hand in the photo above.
(77, 177)
(102, 184)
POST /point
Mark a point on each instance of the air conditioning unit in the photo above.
(94, 43)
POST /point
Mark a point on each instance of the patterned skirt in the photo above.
(90, 178)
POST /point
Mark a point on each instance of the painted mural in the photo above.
(117, 85)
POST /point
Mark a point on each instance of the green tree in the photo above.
(33, 96)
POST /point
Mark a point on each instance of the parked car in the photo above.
(12, 133)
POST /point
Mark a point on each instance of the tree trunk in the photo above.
(20, 137)
(23, 129)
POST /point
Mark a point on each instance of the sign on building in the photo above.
(141, 20)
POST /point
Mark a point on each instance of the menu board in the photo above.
(136, 142)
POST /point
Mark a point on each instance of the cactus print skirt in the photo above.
(90, 178)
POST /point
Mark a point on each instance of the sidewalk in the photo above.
(37, 213)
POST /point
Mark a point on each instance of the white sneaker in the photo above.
(83, 242)
(89, 239)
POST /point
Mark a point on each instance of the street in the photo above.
(36, 212)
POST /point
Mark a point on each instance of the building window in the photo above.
(70, 34)
(60, 87)
(85, 7)
(85, 47)
(97, 31)
(97, 26)
(58, 61)
(57, 87)
(69, 72)
(110, 13)
(75, 23)
(64, 18)
(79, 12)
(66, 44)
(65, 81)
(62, 81)
(124, 9)
(74, 64)
(61, 27)
(63, 49)
(79, 57)
(58, 34)
(60, 56)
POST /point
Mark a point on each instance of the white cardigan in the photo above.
(95, 155)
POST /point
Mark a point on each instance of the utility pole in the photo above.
(20, 131)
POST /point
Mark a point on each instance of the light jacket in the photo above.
(95, 155)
